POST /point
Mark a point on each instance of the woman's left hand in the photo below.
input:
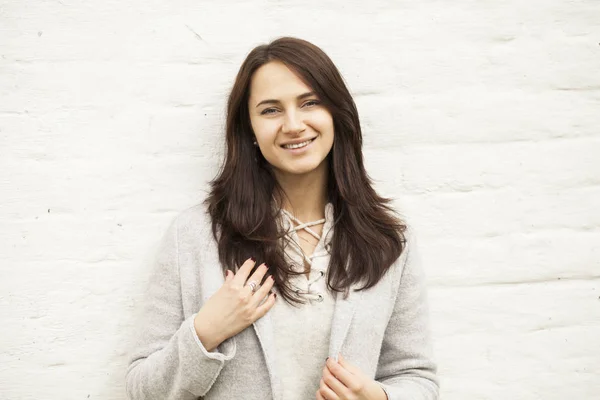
(344, 381)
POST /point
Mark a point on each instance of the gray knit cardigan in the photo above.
(383, 330)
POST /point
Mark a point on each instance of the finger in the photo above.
(258, 274)
(263, 291)
(228, 276)
(334, 383)
(347, 378)
(319, 397)
(353, 369)
(266, 306)
(242, 274)
(326, 392)
(246, 293)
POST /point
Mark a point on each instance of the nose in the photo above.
(292, 123)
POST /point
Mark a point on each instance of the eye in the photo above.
(268, 111)
(312, 103)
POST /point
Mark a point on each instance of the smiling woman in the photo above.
(248, 301)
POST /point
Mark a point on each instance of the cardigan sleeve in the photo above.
(168, 360)
(406, 369)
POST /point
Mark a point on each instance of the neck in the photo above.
(305, 195)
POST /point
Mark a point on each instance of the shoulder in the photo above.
(193, 222)
(409, 258)
(193, 215)
(410, 242)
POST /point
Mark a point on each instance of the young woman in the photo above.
(294, 279)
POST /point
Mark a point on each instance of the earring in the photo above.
(255, 144)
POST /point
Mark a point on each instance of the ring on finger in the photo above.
(253, 285)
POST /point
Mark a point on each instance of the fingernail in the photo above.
(253, 259)
(275, 295)
(266, 266)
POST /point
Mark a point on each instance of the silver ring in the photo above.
(253, 286)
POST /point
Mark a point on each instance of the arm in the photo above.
(406, 370)
(168, 360)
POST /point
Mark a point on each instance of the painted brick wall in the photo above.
(480, 117)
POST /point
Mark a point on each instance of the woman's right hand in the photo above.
(234, 307)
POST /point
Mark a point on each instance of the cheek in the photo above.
(323, 122)
(264, 130)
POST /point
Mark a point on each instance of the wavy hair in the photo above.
(368, 236)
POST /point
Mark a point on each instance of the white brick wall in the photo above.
(481, 118)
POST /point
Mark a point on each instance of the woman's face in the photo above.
(283, 111)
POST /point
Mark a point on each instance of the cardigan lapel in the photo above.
(344, 309)
(342, 318)
(264, 331)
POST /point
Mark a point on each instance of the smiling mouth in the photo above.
(298, 145)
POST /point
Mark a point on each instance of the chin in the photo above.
(303, 169)
(297, 171)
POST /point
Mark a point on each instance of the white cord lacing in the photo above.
(306, 226)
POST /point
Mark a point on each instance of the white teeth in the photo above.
(297, 146)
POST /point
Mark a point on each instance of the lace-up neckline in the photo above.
(306, 226)
(309, 285)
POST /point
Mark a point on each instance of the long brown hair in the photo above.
(368, 236)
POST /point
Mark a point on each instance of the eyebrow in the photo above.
(273, 101)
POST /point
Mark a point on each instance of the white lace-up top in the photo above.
(302, 332)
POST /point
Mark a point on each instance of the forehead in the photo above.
(275, 80)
